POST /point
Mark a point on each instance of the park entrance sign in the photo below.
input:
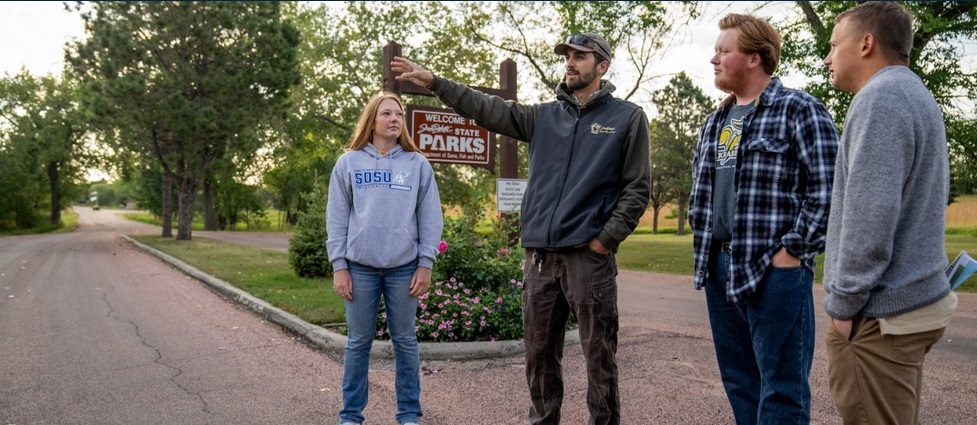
(444, 136)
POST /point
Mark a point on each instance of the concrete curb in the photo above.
(332, 341)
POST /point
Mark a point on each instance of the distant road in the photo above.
(93, 331)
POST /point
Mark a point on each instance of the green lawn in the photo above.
(656, 253)
(957, 243)
(260, 224)
(68, 223)
(263, 273)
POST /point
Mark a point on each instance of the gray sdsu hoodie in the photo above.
(383, 210)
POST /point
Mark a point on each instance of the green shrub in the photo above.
(307, 249)
(476, 294)
(480, 259)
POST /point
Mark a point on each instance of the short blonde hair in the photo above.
(363, 133)
(755, 36)
(890, 23)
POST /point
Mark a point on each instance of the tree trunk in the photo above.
(654, 219)
(166, 207)
(210, 207)
(55, 179)
(188, 193)
(682, 215)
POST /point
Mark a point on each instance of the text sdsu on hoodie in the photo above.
(384, 210)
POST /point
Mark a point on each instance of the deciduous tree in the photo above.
(43, 117)
(938, 47)
(682, 108)
(196, 77)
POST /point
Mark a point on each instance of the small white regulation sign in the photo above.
(508, 194)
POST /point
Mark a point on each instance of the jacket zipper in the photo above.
(563, 182)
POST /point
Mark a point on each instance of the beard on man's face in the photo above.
(583, 80)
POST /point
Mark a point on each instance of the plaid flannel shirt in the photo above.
(784, 171)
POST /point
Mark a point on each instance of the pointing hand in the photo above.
(412, 72)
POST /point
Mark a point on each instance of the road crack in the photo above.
(159, 354)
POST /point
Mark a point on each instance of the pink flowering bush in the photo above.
(476, 290)
(479, 258)
(453, 312)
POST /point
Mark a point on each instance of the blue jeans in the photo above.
(764, 343)
(369, 283)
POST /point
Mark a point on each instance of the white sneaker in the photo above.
(410, 423)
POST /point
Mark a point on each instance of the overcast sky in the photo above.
(33, 35)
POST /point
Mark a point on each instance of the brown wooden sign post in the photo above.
(467, 148)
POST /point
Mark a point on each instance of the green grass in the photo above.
(69, 222)
(263, 273)
(957, 243)
(672, 254)
(656, 253)
(260, 225)
(965, 231)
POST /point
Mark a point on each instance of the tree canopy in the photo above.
(940, 30)
(196, 78)
(42, 149)
(682, 108)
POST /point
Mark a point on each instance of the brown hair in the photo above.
(755, 36)
(889, 23)
(364, 126)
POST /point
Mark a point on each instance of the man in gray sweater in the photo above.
(886, 291)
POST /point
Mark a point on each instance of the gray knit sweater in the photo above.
(885, 252)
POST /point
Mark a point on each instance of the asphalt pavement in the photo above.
(61, 311)
(667, 362)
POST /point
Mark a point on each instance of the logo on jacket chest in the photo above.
(363, 179)
(598, 128)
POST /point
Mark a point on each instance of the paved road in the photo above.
(94, 331)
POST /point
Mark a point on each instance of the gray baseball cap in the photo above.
(586, 42)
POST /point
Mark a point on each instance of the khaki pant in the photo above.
(875, 378)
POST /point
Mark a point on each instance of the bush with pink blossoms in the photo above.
(476, 290)
(480, 259)
(453, 312)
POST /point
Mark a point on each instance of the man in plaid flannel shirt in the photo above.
(762, 175)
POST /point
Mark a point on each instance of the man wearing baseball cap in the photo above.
(589, 183)
(588, 42)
